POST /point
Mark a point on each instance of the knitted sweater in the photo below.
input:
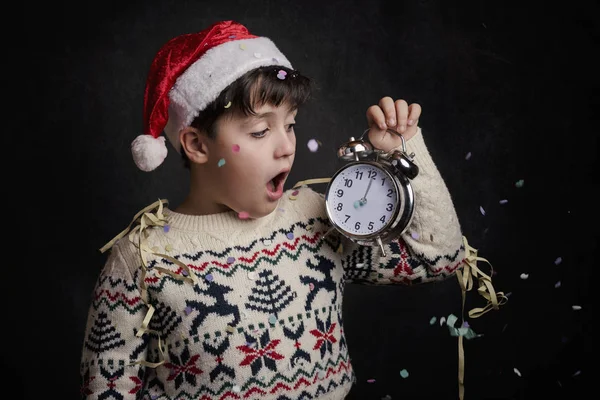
(216, 307)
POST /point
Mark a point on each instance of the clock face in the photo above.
(362, 199)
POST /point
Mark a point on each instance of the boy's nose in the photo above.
(286, 145)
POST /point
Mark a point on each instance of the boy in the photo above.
(237, 292)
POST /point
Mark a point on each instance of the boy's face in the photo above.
(250, 159)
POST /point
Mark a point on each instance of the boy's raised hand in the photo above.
(397, 115)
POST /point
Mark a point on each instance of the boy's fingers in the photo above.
(414, 113)
(387, 105)
(402, 114)
(376, 118)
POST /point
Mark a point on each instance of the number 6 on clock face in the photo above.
(362, 199)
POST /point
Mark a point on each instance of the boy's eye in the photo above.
(259, 134)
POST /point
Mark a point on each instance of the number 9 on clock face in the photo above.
(362, 199)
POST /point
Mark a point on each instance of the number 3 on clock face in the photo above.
(362, 199)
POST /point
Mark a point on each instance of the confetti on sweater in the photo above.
(230, 260)
(313, 145)
(576, 307)
(289, 235)
(166, 228)
(524, 276)
(272, 319)
(236, 388)
(209, 277)
(468, 156)
(404, 373)
(235, 148)
(221, 162)
(187, 310)
(520, 183)
(517, 371)
(414, 235)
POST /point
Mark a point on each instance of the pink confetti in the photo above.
(281, 74)
(371, 380)
(243, 215)
(313, 145)
(235, 148)
(414, 235)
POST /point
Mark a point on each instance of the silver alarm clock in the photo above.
(370, 199)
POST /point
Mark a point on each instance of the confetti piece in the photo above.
(576, 307)
(242, 46)
(228, 104)
(520, 183)
(166, 228)
(209, 277)
(243, 215)
(289, 235)
(187, 310)
(404, 373)
(558, 261)
(272, 319)
(432, 320)
(517, 371)
(482, 210)
(230, 329)
(251, 275)
(557, 285)
(311, 286)
(168, 247)
(524, 276)
(503, 201)
(221, 162)
(236, 388)
(360, 265)
(184, 273)
(313, 145)
(386, 397)
(357, 204)
(230, 260)
(231, 36)
(371, 380)
(451, 320)
(414, 235)
(468, 156)
(442, 320)
(267, 242)
(281, 74)
(576, 373)
(235, 148)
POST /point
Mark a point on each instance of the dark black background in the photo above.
(513, 83)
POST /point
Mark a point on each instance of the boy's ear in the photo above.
(193, 142)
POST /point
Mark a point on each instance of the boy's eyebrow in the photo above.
(252, 118)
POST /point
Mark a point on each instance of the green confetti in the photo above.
(432, 320)
(451, 320)
(404, 373)
(221, 162)
(520, 183)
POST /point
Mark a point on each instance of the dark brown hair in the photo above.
(255, 88)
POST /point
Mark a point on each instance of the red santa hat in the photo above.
(187, 74)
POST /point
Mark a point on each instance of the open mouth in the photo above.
(275, 185)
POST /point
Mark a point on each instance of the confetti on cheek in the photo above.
(468, 156)
(235, 148)
(520, 183)
(313, 145)
(221, 162)
(243, 215)
(404, 373)
(524, 276)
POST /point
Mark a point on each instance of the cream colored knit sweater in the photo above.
(224, 308)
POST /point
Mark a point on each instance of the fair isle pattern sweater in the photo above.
(263, 320)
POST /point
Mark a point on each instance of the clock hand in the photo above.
(363, 201)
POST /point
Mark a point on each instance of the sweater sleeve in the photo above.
(111, 348)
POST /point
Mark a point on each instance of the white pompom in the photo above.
(148, 152)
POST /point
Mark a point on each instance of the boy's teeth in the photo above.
(272, 185)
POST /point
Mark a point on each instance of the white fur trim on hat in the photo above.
(206, 78)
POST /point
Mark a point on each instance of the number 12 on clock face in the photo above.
(362, 199)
